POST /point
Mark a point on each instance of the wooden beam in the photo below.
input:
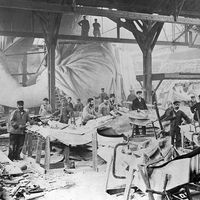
(172, 76)
(86, 10)
(160, 81)
(21, 74)
(185, 31)
(25, 53)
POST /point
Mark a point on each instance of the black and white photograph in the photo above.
(99, 99)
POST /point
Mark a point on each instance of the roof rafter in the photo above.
(85, 10)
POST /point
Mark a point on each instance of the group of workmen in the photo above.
(19, 118)
(173, 114)
(85, 27)
(68, 111)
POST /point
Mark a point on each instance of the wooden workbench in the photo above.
(69, 136)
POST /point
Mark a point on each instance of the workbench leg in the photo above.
(133, 130)
(47, 154)
(38, 150)
(108, 171)
(182, 139)
(94, 151)
(30, 145)
(146, 181)
(24, 150)
(66, 154)
(129, 180)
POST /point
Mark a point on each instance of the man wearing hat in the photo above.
(176, 117)
(131, 97)
(18, 122)
(45, 108)
(102, 95)
(193, 101)
(196, 110)
(104, 108)
(139, 104)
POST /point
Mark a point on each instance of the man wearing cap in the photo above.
(176, 117)
(196, 110)
(139, 104)
(89, 111)
(85, 26)
(104, 108)
(131, 97)
(45, 108)
(102, 95)
(193, 101)
(18, 122)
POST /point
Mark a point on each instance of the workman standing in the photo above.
(112, 102)
(45, 108)
(130, 98)
(85, 26)
(167, 111)
(193, 101)
(18, 123)
(89, 111)
(102, 95)
(96, 31)
(139, 104)
(195, 108)
(78, 106)
(176, 117)
(67, 110)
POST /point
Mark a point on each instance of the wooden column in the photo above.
(51, 74)
(24, 70)
(146, 33)
(50, 23)
(147, 71)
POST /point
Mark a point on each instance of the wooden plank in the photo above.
(129, 180)
(38, 150)
(86, 10)
(146, 181)
(47, 154)
(94, 151)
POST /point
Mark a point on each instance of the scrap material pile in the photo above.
(14, 181)
(139, 162)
